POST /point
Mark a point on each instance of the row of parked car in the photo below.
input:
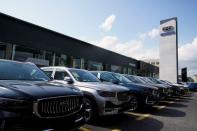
(64, 98)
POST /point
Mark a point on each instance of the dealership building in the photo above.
(23, 41)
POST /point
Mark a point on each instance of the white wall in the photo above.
(168, 51)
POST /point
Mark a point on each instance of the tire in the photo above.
(134, 103)
(89, 109)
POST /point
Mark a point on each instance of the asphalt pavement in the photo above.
(173, 114)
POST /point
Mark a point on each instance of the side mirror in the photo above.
(68, 79)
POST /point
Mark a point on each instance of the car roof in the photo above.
(12, 61)
(100, 71)
(61, 67)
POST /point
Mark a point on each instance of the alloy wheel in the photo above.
(88, 109)
(134, 103)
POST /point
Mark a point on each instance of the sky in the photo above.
(128, 27)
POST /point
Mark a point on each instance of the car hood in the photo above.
(101, 86)
(34, 89)
(137, 85)
(158, 85)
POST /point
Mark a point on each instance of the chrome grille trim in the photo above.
(56, 107)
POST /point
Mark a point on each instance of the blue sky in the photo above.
(83, 19)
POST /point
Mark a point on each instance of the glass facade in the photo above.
(92, 65)
(78, 63)
(2, 51)
(125, 70)
(115, 68)
(49, 58)
(61, 60)
(39, 57)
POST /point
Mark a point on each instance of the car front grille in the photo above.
(57, 106)
(123, 96)
(161, 90)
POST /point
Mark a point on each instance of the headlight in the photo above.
(9, 104)
(154, 92)
(106, 94)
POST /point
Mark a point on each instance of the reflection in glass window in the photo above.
(125, 71)
(60, 60)
(2, 51)
(83, 76)
(78, 63)
(39, 57)
(92, 65)
(115, 68)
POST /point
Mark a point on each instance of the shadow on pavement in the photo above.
(179, 105)
(172, 104)
(167, 112)
(128, 122)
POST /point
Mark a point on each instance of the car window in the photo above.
(134, 79)
(48, 73)
(21, 71)
(121, 78)
(107, 77)
(94, 73)
(83, 76)
(60, 74)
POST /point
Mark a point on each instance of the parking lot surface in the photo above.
(173, 114)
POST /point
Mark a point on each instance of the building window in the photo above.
(125, 70)
(115, 68)
(38, 57)
(2, 51)
(60, 60)
(78, 63)
(92, 65)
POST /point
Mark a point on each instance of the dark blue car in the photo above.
(192, 86)
(145, 95)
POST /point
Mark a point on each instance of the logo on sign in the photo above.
(168, 30)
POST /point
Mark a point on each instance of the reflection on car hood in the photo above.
(159, 85)
(101, 86)
(35, 89)
(137, 85)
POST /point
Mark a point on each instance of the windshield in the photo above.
(134, 79)
(145, 80)
(155, 81)
(121, 78)
(21, 71)
(83, 76)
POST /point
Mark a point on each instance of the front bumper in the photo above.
(111, 106)
(27, 121)
(151, 100)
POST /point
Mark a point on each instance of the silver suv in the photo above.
(100, 99)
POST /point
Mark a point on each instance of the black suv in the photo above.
(29, 100)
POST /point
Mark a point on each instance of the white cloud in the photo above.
(108, 23)
(151, 34)
(132, 48)
(188, 56)
(188, 51)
